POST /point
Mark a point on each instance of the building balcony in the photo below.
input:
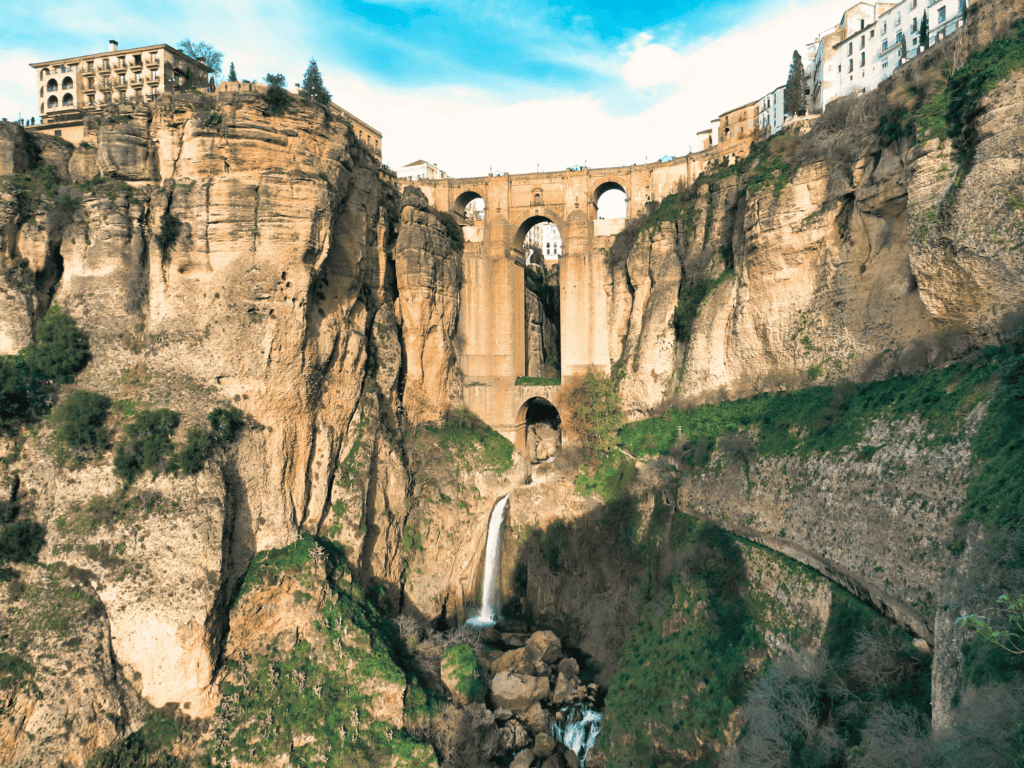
(151, 63)
(88, 89)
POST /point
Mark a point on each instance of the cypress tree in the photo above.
(793, 98)
(925, 33)
(313, 85)
(232, 76)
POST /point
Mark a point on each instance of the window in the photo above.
(862, 43)
(57, 132)
(899, 37)
(849, 51)
(52, 85)
(862, 59)
(885, 44)
(885, 26)
(51, 103)
(942, 14)
(915, 25)
(851, 65)
(69, 100)
(885, 65)
(67, 84)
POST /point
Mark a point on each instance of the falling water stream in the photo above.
(487, 616)
(579, 730)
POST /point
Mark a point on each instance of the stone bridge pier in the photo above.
(492, 321)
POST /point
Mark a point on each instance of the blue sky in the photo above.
(477, 87)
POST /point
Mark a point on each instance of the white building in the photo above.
(421, 169)
(871, 41)
(771, 114)
(543, 237)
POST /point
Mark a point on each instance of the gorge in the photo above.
(782, 462)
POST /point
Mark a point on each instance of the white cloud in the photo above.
(652, 64)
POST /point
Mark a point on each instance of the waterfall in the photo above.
(579, 730)
(487, 616)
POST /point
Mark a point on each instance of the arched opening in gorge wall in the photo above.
(543, 429)
(540, 242)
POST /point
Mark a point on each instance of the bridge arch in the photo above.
(618, 196)
(464, 199)
(529, 221)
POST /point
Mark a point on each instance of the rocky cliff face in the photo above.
(904, 264)
(216, 255)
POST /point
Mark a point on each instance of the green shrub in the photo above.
(170, 228)
(14, 390)
(59, 351)
(592, 412)
(21, 541)
(147, 441)
(12, 670)
(80, 419)
(146, 748)
(456, 240)
(552, 542)
(688, 307)
(191, 457)
(467, 437)
(276, 97)
(225, 423)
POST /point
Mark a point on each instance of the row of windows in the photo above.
(120, 62)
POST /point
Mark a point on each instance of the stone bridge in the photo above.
(493, 319)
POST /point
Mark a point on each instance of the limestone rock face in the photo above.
(429, 276)
(818, 286)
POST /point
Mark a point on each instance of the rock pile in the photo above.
(529, 686)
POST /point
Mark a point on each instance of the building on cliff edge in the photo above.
(419, 170)
(70, 88)
(871, 41)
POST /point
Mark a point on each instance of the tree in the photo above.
(793, 98)
(277, 97)
(205, 51)
(924, 32)
(232, 75)
(313, 85)
(1011, 612)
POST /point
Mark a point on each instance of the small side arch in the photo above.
(538, 430)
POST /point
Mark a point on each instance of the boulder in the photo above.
(572, 760)
(501, 715)
(510, 661)
(555, 761)
(565, 690)
(513, 737)
(518, 692)
(537, 719)
(514, 639)
(545, 745)
(523, 760)
(544, 647)
(569, 667)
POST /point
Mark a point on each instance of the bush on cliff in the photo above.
(59, 352)
(276, 97)
(80, 419)
(147, 441)
(592, 413)
(60, 349)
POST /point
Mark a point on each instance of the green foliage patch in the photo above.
(465, 436)
(456, 240)
(592, 412)
(13, 670)
(538, 381)
(320, 690)
(146, 443)
(462, 661)
(170, 229)
(60, 350)
(146, 748)
(81, 420)
(690, 645)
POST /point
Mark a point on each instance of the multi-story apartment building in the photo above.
(69, 88)
(771, 115)
(871, 41)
